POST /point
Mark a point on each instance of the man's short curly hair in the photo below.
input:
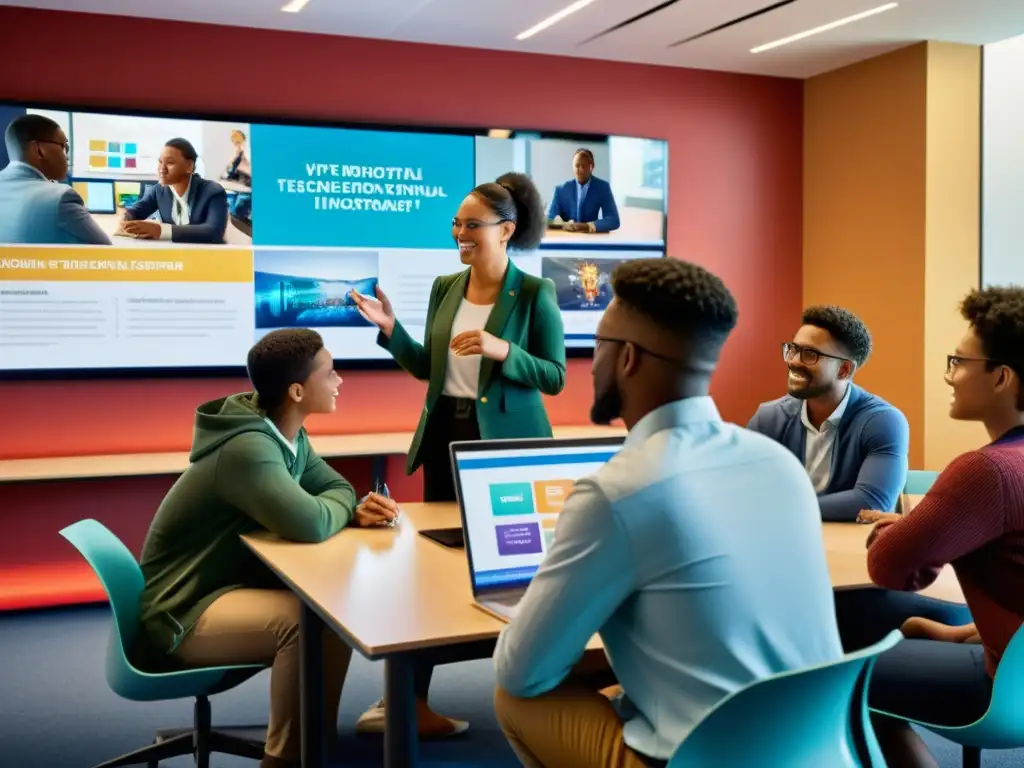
(845, 327)
(280, 359)
(678, 296)
(997, 316)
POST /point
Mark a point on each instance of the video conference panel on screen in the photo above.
(314, 212)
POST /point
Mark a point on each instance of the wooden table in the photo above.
(390, 592)
(380, 444)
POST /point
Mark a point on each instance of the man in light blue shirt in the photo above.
(696, 552)
(35, 206)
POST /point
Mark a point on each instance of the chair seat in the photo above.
(181, 684)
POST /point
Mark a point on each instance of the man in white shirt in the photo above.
(696, 553)
(190, 209)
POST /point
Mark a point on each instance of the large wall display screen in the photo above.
(281, 223)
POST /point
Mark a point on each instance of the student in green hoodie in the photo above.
(207, 599)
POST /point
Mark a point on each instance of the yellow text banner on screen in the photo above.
(139, 265)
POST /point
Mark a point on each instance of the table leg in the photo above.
(400, 734)
(311, 664)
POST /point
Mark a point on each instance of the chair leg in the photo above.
(972, 757)
(202, 719)
(154, 753)
(229, 744)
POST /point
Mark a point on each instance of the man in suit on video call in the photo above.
(36, 207)
(585, 203)
(191, 209)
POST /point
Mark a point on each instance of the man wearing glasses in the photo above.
(852, 443)
(36, 206)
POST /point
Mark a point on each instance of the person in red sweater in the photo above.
(973, 518)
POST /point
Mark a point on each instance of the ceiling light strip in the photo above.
(554, 18)
(824, 28)
(294, 6)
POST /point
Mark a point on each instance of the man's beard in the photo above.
(607, 406)
(809, 390)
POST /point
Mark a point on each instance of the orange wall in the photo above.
(734, 206)
(891, 189)
(864, 182)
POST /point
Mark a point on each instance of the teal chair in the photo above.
(122, 579)
(807, 718)
(919, 481)
(1002, 726)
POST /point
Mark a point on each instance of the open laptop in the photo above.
(510, 493)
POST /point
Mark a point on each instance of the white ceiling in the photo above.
(495, 23)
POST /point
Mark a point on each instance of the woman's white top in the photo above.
(462, 376)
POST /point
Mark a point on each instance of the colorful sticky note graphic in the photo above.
(129, 162)
(549, 523)
(82, 188)
(114, 161)
(97, 161)
(97, 145)
(114, 146)
(131, 148)
(522, 539)
(511, 499)
(551, 495)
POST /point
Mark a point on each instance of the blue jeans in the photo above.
(928, 680)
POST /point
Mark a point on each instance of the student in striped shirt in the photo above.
(973, 518)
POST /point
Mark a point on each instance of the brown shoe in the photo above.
(269, 761)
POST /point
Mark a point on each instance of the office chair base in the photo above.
(972, 757)
(241, 741)
(154, 753)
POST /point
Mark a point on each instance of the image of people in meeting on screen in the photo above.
(585, 203)
(973, 518)
(493, 345)
(189, 208)
(36, 205)
(853, 444)
(240, 168)
(663, 551)
(238, 176)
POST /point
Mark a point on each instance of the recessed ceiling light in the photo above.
(824, 28)
(294, 6)
(554, 19)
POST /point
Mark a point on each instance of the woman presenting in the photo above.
(494, 342)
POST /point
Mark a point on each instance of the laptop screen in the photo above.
(511, 493)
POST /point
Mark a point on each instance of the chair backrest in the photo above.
(122, 579)
(806, 718)
(1003, 724)
(919, 481)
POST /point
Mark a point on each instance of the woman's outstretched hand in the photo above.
(376, 310)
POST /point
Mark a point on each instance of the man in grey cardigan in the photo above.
(853, 444)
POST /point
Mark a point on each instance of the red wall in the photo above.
(735, 146)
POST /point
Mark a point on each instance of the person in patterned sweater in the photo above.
(972, 518)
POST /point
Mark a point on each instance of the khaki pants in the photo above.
(573, 726)
(251, 626)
